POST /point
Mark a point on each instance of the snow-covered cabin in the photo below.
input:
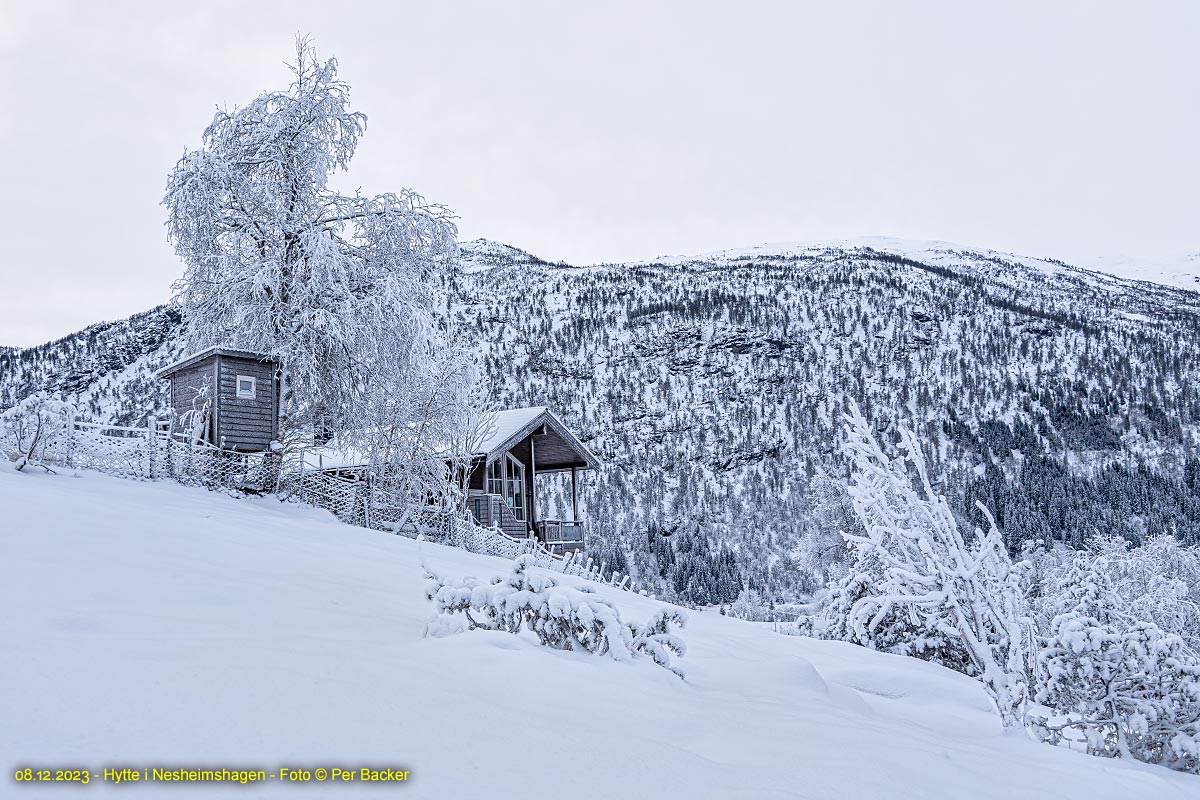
(518, 445)
(227, 398)
(522, 444)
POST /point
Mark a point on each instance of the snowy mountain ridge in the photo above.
(1175, 272)
(481, 254)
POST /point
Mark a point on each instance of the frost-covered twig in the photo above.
(918, 586)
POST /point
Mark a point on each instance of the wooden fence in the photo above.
(156, 453)
(357, 503)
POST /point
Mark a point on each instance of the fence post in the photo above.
(151, 425)
(168, 450)
(71, 443)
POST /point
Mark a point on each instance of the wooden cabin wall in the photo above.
(247, 425)
(186, 386)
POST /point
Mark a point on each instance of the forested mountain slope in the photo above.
(713, 388)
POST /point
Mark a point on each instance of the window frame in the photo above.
(495, 481)
(253, 392)
(515, 480)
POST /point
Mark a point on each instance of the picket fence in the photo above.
(359, 503)
(154, 452)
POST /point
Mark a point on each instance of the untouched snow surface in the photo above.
(150, 624)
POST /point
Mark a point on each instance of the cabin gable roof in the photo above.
(195, 358)
(513, 425)
(508, 428)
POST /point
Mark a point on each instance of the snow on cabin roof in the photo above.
(505, 425)
(506, 429)
(510, 426)
(192, 358)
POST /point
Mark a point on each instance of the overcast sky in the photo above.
(599, 132)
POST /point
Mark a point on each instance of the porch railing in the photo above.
(560, 534)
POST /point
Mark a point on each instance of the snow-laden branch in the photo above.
(918, 586)
(561, 617)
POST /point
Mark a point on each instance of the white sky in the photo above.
(599, 132)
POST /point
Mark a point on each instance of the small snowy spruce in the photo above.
(900, 631)
(561, 617)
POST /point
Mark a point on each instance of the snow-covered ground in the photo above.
(150, 624)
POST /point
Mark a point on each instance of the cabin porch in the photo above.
(503, 486)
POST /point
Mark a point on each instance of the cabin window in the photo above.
(495, 477)
(515, 490)
(246, 387)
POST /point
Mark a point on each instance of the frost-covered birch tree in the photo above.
(345, 290)
(36, 431)
(926, 583)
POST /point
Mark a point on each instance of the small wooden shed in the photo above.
(231, 397)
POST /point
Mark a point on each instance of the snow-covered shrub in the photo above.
(919, 585)
(1157, 582)
(900, 630)
(1133, 693)
(656, 640)
(1126, 686)
(35, 432)
(561, 617)
(750, 606)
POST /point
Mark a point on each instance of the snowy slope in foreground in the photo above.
(149, 624)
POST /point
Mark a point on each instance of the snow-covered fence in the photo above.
(345, 499)
(121, 451)
(150, 453)
(153, 453)
(355, 502)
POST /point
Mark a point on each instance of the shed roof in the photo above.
(195, 358)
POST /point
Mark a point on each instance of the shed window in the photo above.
(246, 387)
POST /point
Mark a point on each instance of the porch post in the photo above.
(574, 498)
(532, 484)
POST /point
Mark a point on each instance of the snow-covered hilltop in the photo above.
(713, 387)
(170, 626)
(1182, 271)
(481, 254)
